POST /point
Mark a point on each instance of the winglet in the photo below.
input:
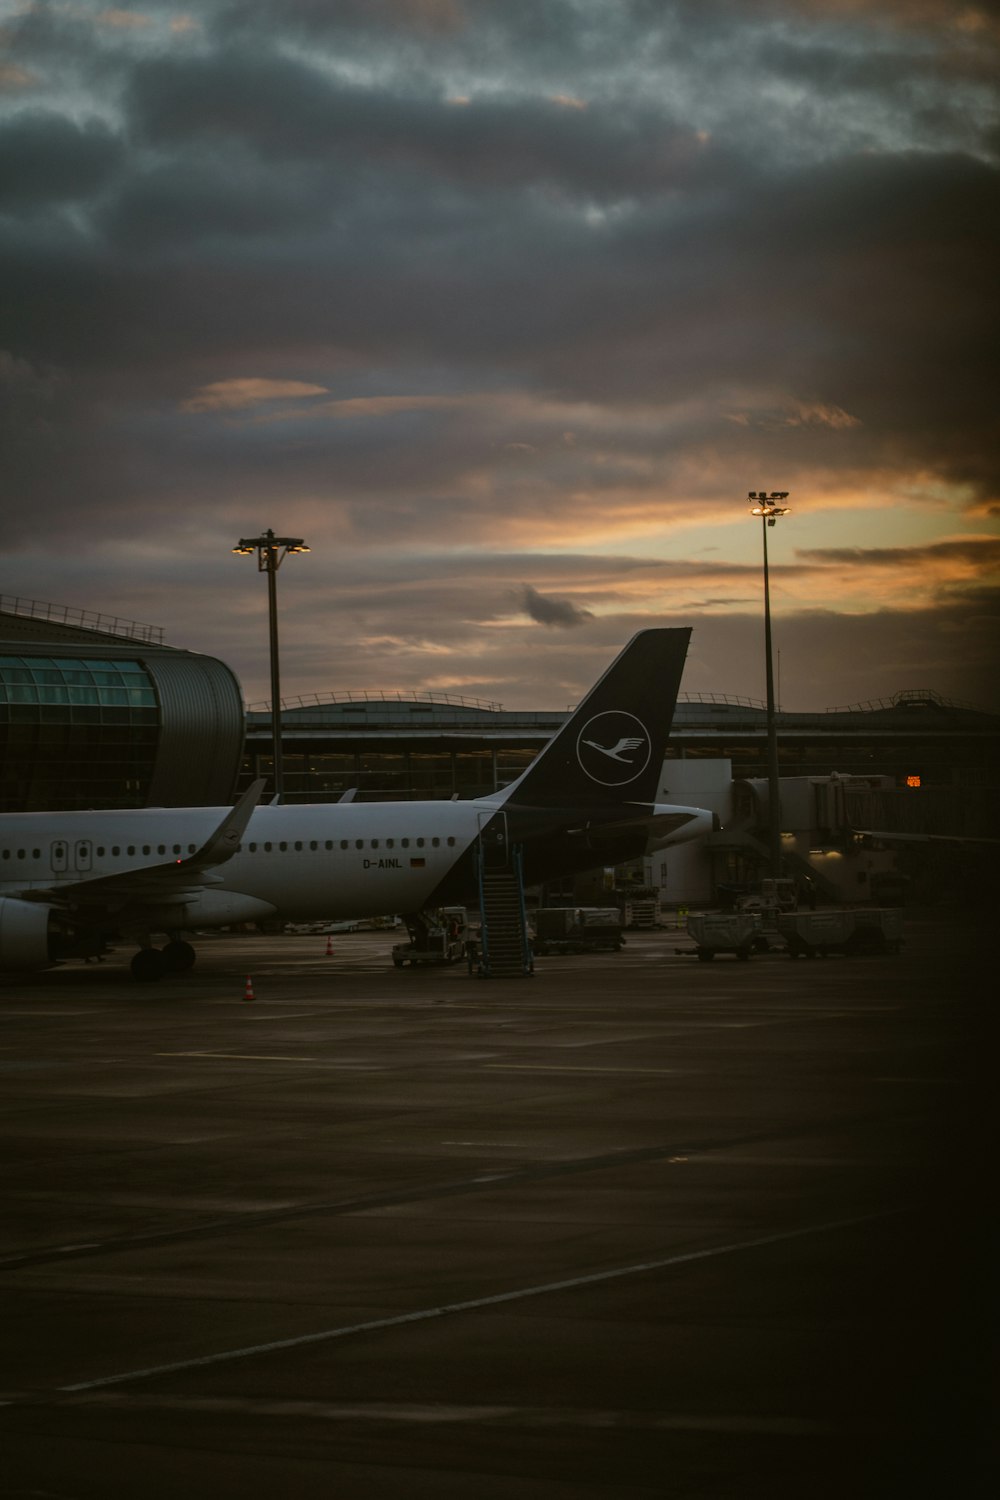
(223, 843)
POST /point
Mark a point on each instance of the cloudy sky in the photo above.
(504, 306)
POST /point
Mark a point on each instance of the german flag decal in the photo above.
(417, 864)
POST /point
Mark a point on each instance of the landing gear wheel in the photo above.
(178, 956)
(148, 965)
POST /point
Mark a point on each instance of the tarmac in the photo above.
(634, 1226)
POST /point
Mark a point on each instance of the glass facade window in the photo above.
(101, 717)
(511, 762)
(432, 773)
(473, 772)
(382, 774)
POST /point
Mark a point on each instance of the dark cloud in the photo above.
(981, 551)
(560, 613)
(45, 157)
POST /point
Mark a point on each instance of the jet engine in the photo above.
(24, 934)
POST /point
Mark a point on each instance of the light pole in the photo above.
(769, 508)
(271, 552)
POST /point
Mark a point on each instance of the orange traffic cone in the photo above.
(329, 947)
(248, 993)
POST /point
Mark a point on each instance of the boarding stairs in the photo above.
(505, 946)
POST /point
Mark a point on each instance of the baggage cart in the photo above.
(724, 932)
(862, 930)
(578, 929)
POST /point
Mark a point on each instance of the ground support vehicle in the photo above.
(773, 897)
(439, 939)
(639, 905)
(725, 932)
(577, 929)
(858, 930)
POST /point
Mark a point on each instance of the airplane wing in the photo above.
(167, 883)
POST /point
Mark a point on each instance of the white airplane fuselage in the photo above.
(341, 860)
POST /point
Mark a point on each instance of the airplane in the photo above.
(72, 882)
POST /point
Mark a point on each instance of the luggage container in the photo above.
(841, 930)
(724, 932)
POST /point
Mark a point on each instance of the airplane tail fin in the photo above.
(611, 748)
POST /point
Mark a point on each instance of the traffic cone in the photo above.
(329, 947)
(248, 993)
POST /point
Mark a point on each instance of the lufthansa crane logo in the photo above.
(613, 748)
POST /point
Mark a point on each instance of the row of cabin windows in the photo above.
(100, 851)
(298, 846)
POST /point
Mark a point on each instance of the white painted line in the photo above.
(281, 1015)
(247, 1056)
(447, 1413)
(493, 1145)
(561, 1068)
(41, 1014)
(449, 1309)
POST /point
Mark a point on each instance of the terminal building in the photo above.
(441, 746)
(96, 712)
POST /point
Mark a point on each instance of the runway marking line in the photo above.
(474, 1304)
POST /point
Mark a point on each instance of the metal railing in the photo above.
(729, 700)
(915, 696)
(86, 619)
(331, 700)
